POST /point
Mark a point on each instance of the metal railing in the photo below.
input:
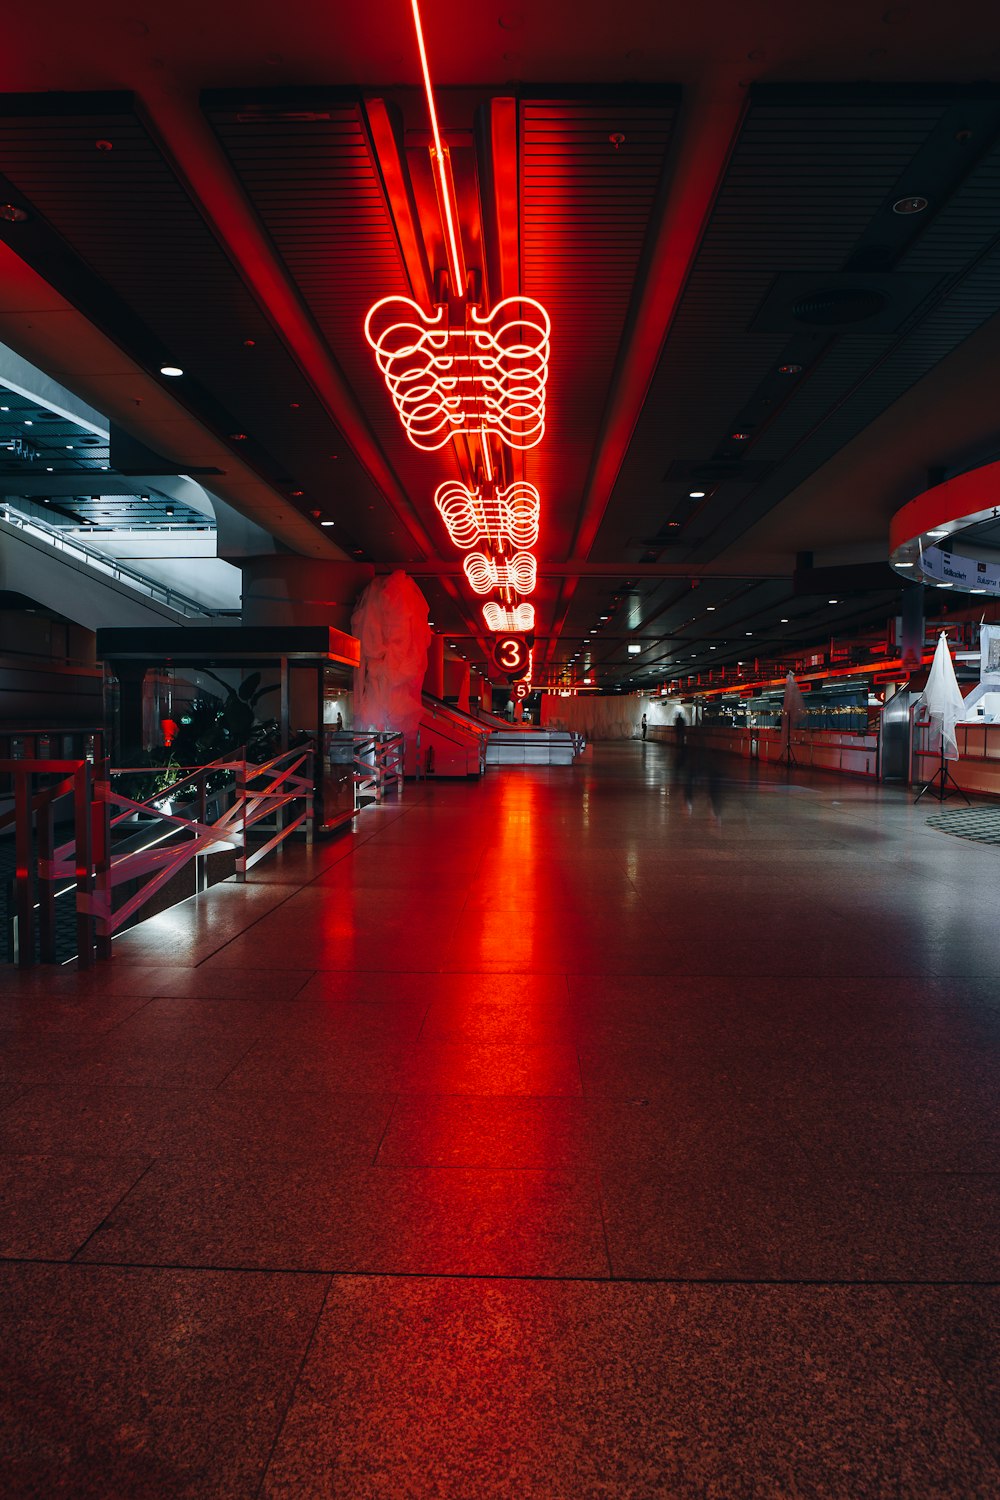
(376, 759)
(275, 796)
(38, 868)
(100, 562)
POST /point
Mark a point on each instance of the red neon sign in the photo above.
(500, 620)
(486, 376)
(489, 515)
(488, 573)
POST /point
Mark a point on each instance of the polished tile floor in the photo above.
(540, 1138)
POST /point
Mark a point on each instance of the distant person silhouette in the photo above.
(701, 768)
(644, 726)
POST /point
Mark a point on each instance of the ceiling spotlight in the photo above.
(172, 370)
(696, 494)
(783, 620)
(634, 648)
(749, 632)
(605, 617)
(327, 523)
(28, 422)
(912, 205)
(169, 510)
(833, 601)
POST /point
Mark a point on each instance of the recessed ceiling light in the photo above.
(833, 601)
(172, 370)
(783, 620)
(634, 648)
(696, 495)
(912, 205)
(28, 422)
(710, 608)
(170, 510)
(713, 648)
(749, 632)
(69, 447)
(327, 523)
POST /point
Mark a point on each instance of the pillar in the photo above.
(434, 680)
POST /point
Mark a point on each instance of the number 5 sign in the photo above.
(511, 656)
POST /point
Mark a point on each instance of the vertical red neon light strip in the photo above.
(455, 262)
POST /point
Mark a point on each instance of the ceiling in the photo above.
(759, 348)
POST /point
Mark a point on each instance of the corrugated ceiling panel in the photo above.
(316, 187)
(585, 215)
(123, 211)
(803, 186)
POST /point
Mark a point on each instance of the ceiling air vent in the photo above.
(834, 306)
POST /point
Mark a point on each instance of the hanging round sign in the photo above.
(512, 656)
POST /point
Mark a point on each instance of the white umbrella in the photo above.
(793, 710)
(943, 697)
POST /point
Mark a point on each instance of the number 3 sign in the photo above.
(511, 656)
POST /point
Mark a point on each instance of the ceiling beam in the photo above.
(202, 164)
(706, 131)
(452, 568)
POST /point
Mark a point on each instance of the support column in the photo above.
(434, 681)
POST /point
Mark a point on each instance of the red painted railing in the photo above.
(279, 791)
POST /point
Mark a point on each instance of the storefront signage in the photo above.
(964, 572)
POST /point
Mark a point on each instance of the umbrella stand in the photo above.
(942, 783)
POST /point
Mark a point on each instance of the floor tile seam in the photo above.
(860, 1283)
(920, 1336)
(251, 1047)
(293, 1388)
(385, 1131)
(113, 1209)
(293, 890)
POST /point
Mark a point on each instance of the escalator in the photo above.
(449, 742)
